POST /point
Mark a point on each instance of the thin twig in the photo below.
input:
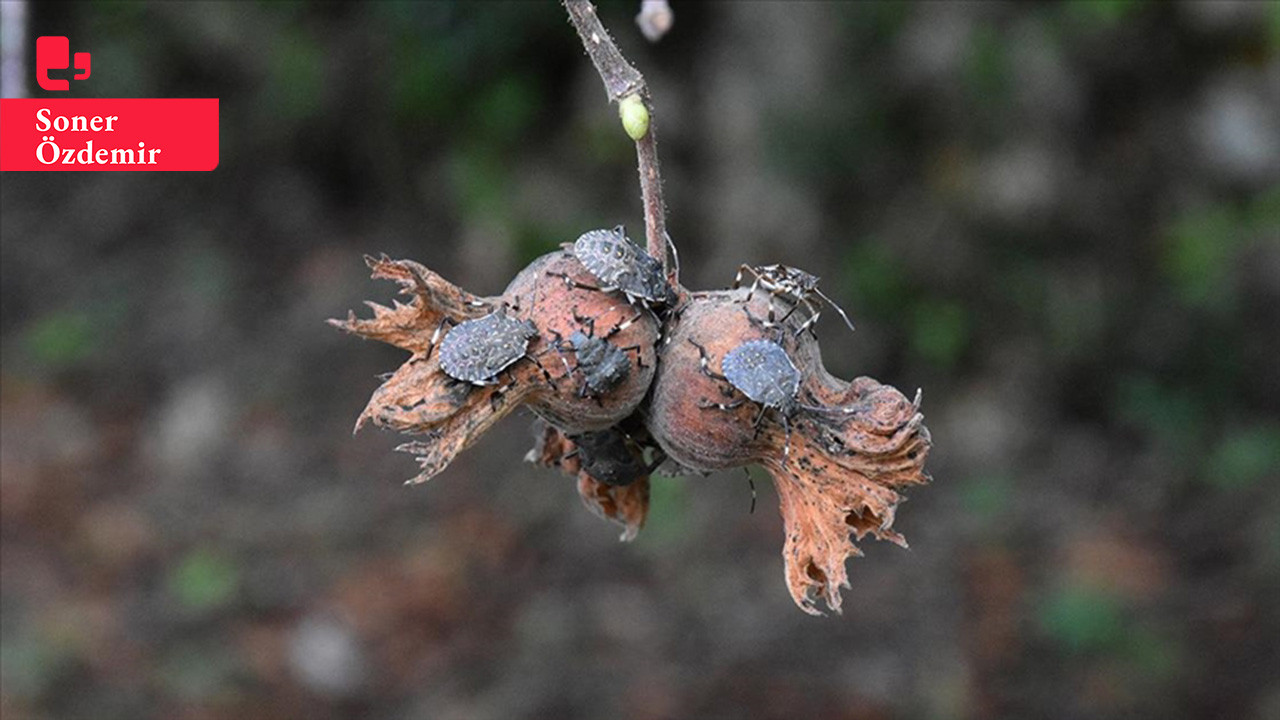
(622, 80)
(655, 218)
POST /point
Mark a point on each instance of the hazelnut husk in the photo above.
(837, 471)
(420, 398)
(555, 307)
(627, 505)
(838, 459)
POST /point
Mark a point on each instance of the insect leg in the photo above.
(621, 326)
(545, 375)
(809, 324)
(722, 406)
(496, 398)
(659, 458)
(771, 319)
(786, 446)
(589, 322)
(559, 345)
(574, 283)
(839, 309)
(755, 321)
(759, 420)
(751, 481)
(639, 361)
(705, 363)
(787, 314)
(675, 256)
(435, 336)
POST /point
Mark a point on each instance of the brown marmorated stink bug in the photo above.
(792, 284)
(603, 365)
(612, 457)
(477, 350)
(763, 372)
(622, 266)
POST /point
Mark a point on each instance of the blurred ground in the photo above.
(1062, 221)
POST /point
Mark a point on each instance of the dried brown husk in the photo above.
(837, 472)
(626, 505)
(419, 398)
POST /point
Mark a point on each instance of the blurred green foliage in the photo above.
(426, 87)
(30, 664)
(1174, 417)
(297, 76)
(1244, 457)
(1103, 13)
(61, 339)
(1083, 619)
(482, 183)
(939, 331)
(1154, 655)
(876, 279)
(204, 580)
(503, 112)
(207, 272)
(988, 69)
(1201, 249)
(198, 670)
(668, 505)
(987, 497)
(1274, 15)
(533, 240)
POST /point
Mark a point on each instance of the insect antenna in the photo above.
(675, 256)
(838, 309)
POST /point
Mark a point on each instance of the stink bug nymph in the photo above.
(763, 372)
(621, 265)
(477, 350)
(602, 364)
(792, 284)
(612, 457)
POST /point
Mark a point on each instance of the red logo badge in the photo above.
(53, 52)
(64, 133)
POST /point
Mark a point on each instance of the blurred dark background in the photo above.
(1061, 220)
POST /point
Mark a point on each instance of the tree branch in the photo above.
(622, 80)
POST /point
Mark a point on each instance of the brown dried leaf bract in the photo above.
(838, 460)
(418, 397)
(410, 326)
(841, 477)
(626, 505)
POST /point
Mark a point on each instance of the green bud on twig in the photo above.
(635, 116)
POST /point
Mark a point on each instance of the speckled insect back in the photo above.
(477, 350)
(602, 365)
(762, 370)
(621, 265)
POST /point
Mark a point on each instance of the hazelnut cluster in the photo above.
(627, 370)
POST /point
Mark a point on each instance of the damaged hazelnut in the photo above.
(742, 382)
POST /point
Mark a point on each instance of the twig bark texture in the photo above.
(622, 80)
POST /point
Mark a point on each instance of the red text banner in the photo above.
(109, 134)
